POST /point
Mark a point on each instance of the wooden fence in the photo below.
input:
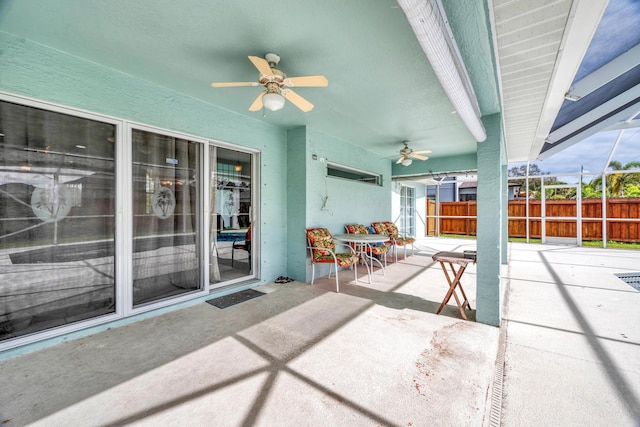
(623, 219)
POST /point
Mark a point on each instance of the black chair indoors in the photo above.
(242, 245)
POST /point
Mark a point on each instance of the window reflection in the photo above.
(57, 203)
(231, 194)
(165, 222)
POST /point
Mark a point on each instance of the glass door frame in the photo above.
(408, 213)
(123, 218)
(120, 273)
(254, 213)
(127, 213)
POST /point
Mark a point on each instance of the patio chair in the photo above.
(322, 249)
(396, 240)
(242, 245)
(378, 250)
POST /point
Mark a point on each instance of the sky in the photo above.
(608, 42)
(592, 153)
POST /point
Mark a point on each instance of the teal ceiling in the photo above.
(381, 90)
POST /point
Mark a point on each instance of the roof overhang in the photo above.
(539, 48)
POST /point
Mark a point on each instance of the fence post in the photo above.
(604, 209)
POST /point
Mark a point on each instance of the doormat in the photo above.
(233, 299)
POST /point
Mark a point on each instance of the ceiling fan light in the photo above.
(273, 101)
(406, 161)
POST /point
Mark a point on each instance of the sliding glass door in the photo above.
(57, 219)
(101, 219)
(407, 218)
(166, 220)
(231, 231)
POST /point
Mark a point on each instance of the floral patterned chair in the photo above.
(395, 239)
(323, 251)
(377, 250)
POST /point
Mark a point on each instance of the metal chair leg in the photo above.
(355, 269)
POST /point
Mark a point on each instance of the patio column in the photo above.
(490, 222)
(505, 208)
(296, 206)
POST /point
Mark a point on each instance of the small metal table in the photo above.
(360, 243)
(462, 260)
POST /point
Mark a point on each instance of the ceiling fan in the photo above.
(407, 153)
(276, 84)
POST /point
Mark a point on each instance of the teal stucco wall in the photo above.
(347, 202)
(296, 202)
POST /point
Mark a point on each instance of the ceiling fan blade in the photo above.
(308, 81)
(297, 100)
(257, 104)
(400, 160)
(418, 156)
(422, 152)
(262, 65)
(233, 84)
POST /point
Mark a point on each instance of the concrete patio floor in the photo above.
(374, 354)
